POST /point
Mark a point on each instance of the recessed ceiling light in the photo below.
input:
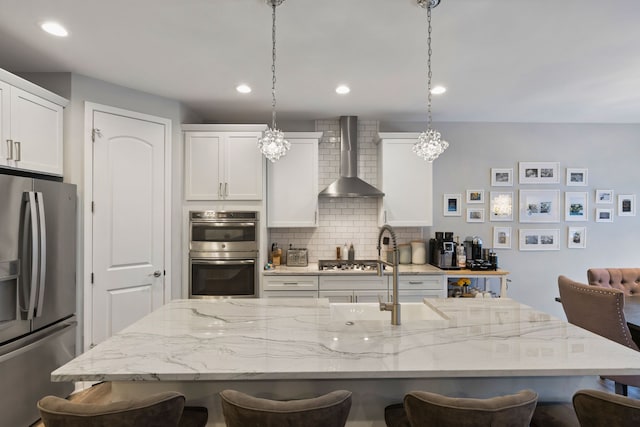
(438, 90)
(343, 89)
(54, 28)
(243, 88)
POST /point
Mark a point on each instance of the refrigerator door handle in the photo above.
(34, 255)
(42, 237)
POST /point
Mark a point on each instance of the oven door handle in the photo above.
(223, 223)
(201, 261)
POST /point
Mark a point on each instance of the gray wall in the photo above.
(609, 152)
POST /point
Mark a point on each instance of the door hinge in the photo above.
(95, 132)
(92, 278)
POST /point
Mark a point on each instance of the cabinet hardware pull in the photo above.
(219, 190)
(9, 149)
(226, 189)
(290, 283)
(415, 283)
(18, 151)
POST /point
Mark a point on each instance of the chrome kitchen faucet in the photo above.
(393, 307)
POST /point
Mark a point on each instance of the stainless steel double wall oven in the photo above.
(223, 254)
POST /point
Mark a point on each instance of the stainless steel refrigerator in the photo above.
(37, 292)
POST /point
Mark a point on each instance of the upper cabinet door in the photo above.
(292, 183)
(243, 167)
(6, 145)
(202, 165)
(222, 162)
(407, 183)
(36, 131)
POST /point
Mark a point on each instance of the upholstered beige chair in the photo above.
(423, 408)
(599, 310)
(596, 409)
(625, 279)
(243, 410)
(159, 410)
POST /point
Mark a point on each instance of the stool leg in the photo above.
(621, 389)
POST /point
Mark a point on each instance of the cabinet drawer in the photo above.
(353, 282)
(290, 294)
(421, 282)
(290, 283)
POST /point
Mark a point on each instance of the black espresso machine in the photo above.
(442, 251)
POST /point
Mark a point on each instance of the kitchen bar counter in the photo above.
(288, 348)
(426, 269)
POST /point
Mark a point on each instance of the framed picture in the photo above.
(575, 206)
(539, 206)
(577, 238)
(604, 215)
(539, 172)
(475, 214)
(626, 205)
(475, 196)
(501, 177)
(576, 177)
(604, 197)
(501, 237)
(452, 205)
(501, 206)
(539, 240)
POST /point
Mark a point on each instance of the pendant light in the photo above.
(430, 144)
(272, 144)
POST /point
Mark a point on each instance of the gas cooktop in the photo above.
(341, 265)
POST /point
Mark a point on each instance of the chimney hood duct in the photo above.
(349, 185)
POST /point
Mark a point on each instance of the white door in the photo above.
(128, 221)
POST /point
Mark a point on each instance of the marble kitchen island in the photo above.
(292, 348)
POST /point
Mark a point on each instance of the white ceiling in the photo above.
(502, 60)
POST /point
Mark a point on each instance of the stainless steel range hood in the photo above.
(349, 185)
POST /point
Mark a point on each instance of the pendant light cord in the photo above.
(429, 65)
(273, 66)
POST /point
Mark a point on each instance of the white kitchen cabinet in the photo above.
(414, 288)
(222, 162)
(280, 286)
(31, 121)
(353, 288)
(292, 183)
(406, 180)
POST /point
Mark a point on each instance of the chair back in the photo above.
(329, 410)
(158, 410)
(625, 279)
(432, 409)
(596, 309)
(597, 408)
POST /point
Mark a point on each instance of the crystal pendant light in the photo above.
(272, 144)
(430, 143)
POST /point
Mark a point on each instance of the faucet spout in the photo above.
(394, 306)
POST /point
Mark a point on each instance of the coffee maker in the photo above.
(442, 251)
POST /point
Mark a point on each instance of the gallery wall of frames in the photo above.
(539, 200)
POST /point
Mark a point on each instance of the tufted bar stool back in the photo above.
(164, 409)
(625, 279)
(242, 410)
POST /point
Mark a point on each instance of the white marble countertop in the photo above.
(262, 339)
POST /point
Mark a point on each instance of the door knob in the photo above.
(157, 273)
